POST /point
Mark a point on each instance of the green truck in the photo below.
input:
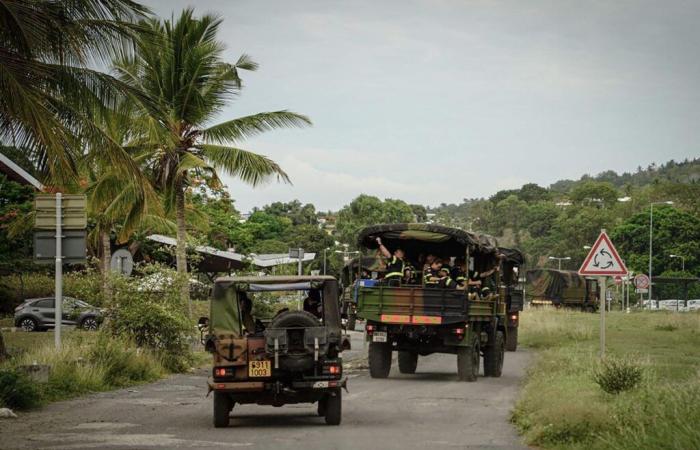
(418, 320)
(562, 289)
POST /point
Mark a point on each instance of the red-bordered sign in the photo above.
(641, 281)
(603, 259)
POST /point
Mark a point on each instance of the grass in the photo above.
(561, 405)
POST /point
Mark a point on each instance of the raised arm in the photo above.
(385, 251)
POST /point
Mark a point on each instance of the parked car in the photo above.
(37, 314)
(693, 305)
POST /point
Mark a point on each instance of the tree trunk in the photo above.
(3, 350)
(181, 250)
(106, 265)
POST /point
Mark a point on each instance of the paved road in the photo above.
(430, 409)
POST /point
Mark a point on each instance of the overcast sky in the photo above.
(438, 100)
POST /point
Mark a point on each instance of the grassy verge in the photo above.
(562, 406)
(87, 362)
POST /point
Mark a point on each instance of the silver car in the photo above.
(38, 314)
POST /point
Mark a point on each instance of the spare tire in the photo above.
(295, 319)
(297, 357)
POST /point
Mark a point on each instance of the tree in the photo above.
(593, 192)
(48, 95)
(178, 66)
(368, 210)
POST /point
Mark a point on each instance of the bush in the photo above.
(17, 390)
(153, 318)
(615, 375)
(122, 364)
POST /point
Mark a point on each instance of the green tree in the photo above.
(178, 65)
(593, 192)
(367, 210)
(48, 93)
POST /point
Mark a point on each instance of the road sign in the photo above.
(73, 251)
(641, 281)
(618, 280)
(297, 253)
(641, 291)
(73, 212)
(603, 259)
(122, 262)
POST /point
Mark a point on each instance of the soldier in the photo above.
(395, 264)
(438, 276)
(313, 304)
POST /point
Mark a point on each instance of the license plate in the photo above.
(379, 336)
(258, 369)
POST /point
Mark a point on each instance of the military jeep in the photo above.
(292, 357)
(415, 319)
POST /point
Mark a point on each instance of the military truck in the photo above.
(512, 262)
(292, 357)
(562, 289)
(417, 320)
(351, 276)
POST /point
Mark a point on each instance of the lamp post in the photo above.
(345, 253)
(560, 259)
(682, 261)
(651, 241)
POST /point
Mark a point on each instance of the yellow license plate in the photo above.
(257, 369)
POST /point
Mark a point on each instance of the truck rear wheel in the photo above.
(222, 408)
(468, 361)
(408, 361)
(494, 355)
(334, 407)
(512, 339)
(379, 359)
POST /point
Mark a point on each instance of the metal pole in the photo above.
(300, 292)
(559, 261)
(58, 302)
(324, 260)
(603, 296)
(651, 236)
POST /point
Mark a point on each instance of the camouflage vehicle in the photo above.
(561, 288)
(512, 262)
(351, 276)
(416, 320)
(294, 357)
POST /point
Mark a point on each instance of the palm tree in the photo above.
(179, 66)
(48, 95)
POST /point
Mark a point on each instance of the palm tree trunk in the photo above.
(3, 350)
(106, 264)
(181, 251)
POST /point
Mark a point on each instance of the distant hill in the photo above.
(687, 171)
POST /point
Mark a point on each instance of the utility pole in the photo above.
(58, 300)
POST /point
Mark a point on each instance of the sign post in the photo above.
(603, 261)
(58, 301)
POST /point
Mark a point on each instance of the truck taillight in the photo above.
(370, 329)
(223, 372)
(334, 370)
(459, 332)
(514, 317)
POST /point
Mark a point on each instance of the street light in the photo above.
(682, 260)
(564, 258)
(651, 240)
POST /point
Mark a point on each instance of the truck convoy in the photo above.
(561, 288)
(415, 319)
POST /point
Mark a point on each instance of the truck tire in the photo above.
(222, 408)
(512, 339)
(468, 361)
(322, 404)
(494, 355)
(295, 319)
(408, 361)
(334, 407)
(352, 320)
(379, 359)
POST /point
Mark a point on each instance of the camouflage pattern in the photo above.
(559, 287)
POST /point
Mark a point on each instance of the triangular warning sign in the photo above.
(603, 259)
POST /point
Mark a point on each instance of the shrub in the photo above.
(17, 390)
(122, 364)
(615, 375)
(153, 318)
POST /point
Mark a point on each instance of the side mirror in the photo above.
(203, 323)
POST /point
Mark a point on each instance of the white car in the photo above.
(694, 305)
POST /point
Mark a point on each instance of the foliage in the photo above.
(17, 391)
(368, 210)
(615, 375)
(16, 202)
(152, 315)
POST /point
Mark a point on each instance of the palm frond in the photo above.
(241, 128)
(250, 167)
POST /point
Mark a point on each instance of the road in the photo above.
(430, 409)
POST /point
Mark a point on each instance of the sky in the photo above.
(434, 101)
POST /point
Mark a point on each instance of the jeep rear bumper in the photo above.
(261, 386)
